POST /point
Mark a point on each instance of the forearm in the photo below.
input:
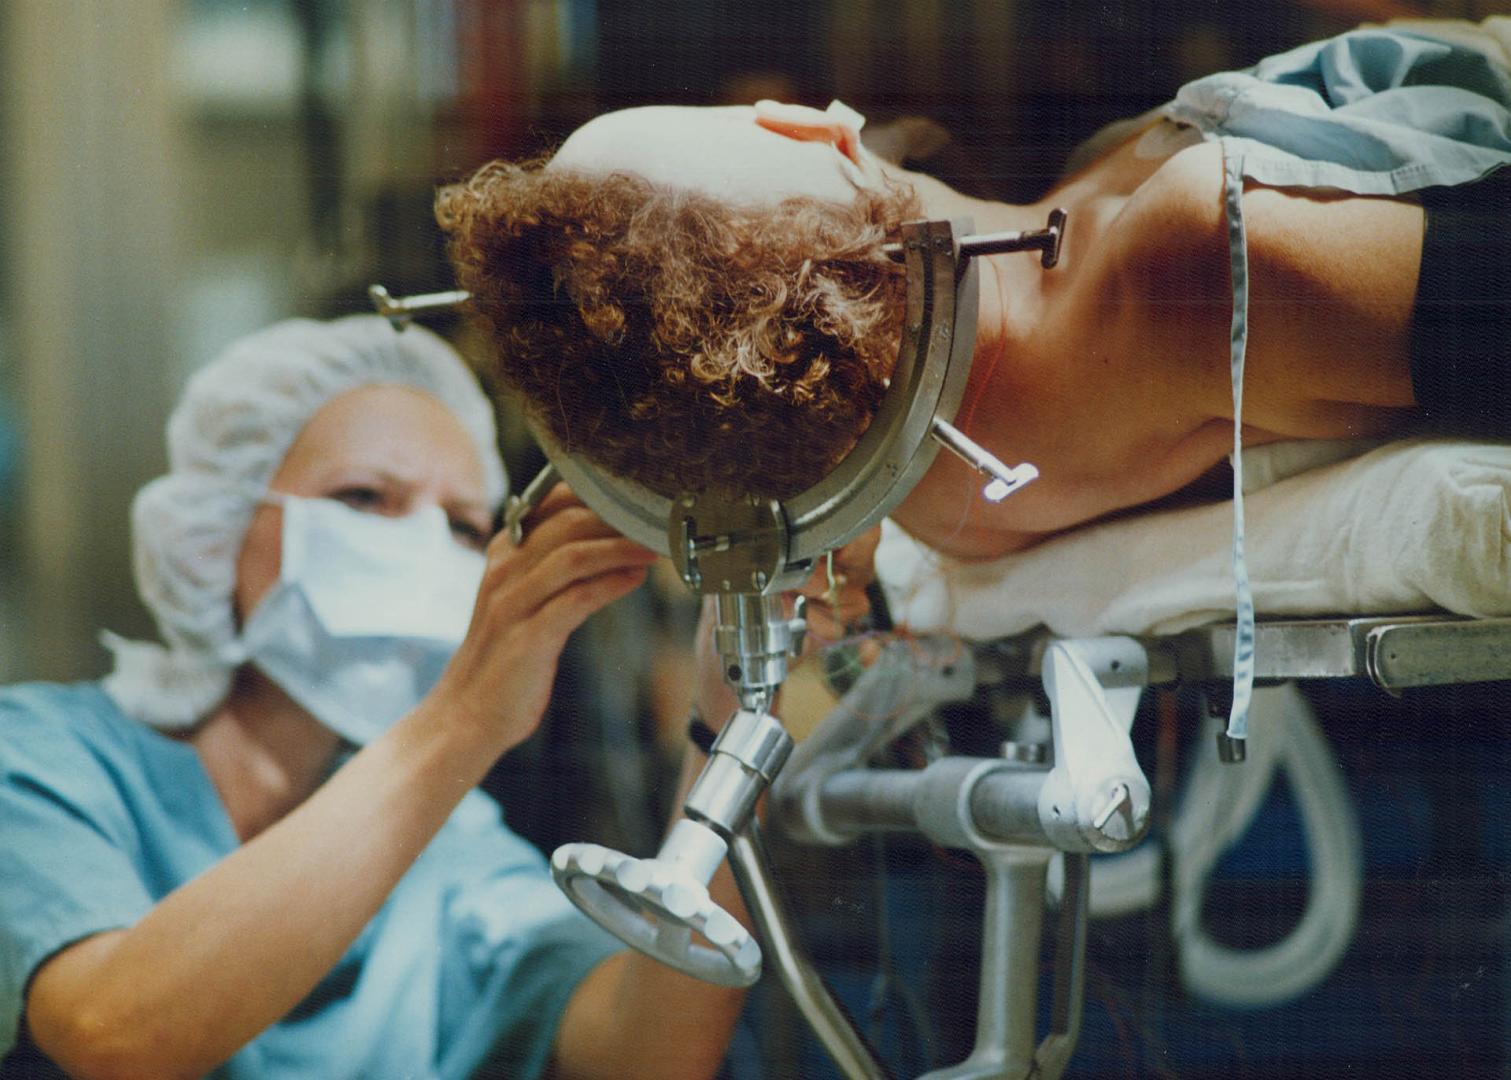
(229, 953)
(654, 1023)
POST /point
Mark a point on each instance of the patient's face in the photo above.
(721, 151)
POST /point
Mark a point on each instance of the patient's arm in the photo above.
(1335, 279)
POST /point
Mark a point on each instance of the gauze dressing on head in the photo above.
(366, 612)
(724, 153)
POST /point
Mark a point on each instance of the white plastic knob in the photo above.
(656, 906)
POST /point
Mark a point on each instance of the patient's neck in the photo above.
(1010, 310)
(1013, 361)
(1012, 286)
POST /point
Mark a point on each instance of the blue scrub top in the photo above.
(466, 968)
(1380, 111)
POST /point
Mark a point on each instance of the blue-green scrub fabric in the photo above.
(1373, 112)
(463, 972)
(1379, 111)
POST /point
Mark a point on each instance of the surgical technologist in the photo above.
(258, 852)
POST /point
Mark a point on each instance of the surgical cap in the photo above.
(226, 439)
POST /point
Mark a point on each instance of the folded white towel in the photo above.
(1413, 526)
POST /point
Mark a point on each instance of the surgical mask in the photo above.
(366, 612)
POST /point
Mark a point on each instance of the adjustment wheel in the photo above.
(658, 905)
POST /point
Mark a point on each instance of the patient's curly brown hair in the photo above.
(674, 339)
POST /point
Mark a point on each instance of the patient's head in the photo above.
(691, 298)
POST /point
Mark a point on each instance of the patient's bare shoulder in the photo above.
(1157, 292)
(1170, 238)
(1332, 279)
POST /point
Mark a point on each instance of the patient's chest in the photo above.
(1087, 471)
(1099, 392)
(1121, 393)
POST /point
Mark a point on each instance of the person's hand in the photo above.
(569, 565)
(834, 606)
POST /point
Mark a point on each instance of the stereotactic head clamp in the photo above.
(745, 552)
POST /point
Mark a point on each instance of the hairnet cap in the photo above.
(226, 439)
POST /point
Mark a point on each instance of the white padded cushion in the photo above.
(1413, 526)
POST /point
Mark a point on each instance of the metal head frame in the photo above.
(745, 552)
(933, 363)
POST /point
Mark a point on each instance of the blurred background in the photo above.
(179, 172)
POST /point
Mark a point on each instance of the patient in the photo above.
(698, 298)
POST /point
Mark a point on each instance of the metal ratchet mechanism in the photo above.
(745, 552)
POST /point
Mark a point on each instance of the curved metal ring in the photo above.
(928, 379)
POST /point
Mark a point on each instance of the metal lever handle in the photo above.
(1002, 481)
(1096, 795)
(398, 310)
(1046, 241)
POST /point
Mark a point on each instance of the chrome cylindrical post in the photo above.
(745, 758)
(753, 637)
